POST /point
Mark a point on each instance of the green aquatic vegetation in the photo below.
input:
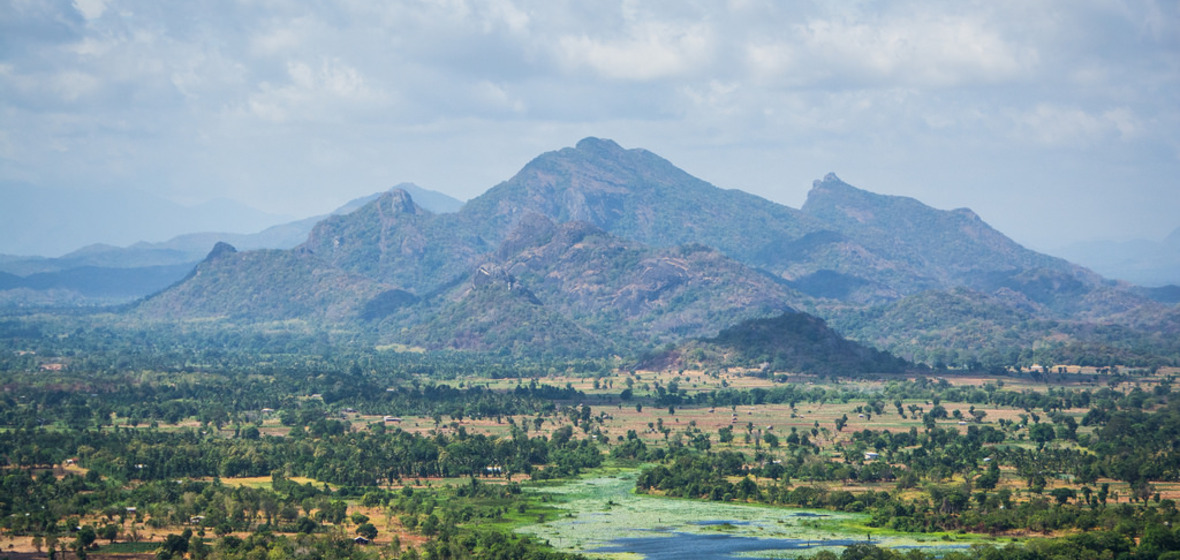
(603, 508)
(589, 524)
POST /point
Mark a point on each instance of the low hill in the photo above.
(791, 342)
(261, 286)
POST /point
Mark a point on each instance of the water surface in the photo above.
(605, 518)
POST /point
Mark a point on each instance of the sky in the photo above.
(1055, 120)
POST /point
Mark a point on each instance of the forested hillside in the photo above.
(600, 246)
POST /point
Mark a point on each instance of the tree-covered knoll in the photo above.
(789, 342)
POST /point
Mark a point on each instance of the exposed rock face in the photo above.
(220, 249)
(598, 242)
(398, 201)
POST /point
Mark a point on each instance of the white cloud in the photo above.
(202, 75)
(496, 97)
(93, 47)
(72, 84)
(90, 9)
(650, 51)
(319, 92)
(165, 94)
(276, 41)
(1063, 126)
(922, 51)
(716, 95)
(505, 12)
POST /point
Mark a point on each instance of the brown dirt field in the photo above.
(387, 528)
(31, 554)
(263, 481)
(22, 547)
(778, 417)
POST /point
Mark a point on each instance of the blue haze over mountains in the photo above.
(597, 245)
(1145, 262)
(101, 273)
(47, 221)
(860, 237)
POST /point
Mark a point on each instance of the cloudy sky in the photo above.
(1054, 120)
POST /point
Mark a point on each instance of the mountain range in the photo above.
(602, 249)
(104, 274)
(54, 220)
(1144, 262)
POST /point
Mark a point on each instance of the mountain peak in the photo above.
(831, 192)
(434, 201)
(427, 199)
(399, 202)
(92, 249)
(831, 184)
(967, 213)
(945, 247)
(601, 146)
(830, 178)
(221, 248)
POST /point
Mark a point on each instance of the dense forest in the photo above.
(292, 444)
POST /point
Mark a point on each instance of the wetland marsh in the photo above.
(604, 517)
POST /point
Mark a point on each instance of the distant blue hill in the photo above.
(1143, 262)
(52, 221)
(105, 273)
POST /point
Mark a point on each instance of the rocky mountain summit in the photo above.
(602, 247)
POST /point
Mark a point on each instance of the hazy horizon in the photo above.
(1055, 122)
